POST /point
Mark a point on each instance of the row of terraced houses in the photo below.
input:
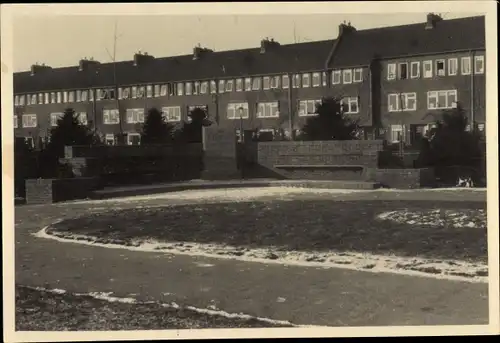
(395, 80)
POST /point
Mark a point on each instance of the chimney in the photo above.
(268, 44)
(346, 28)
(141, 58)
(432, 20)
(37, 68)
(86, 62)
(198, 52)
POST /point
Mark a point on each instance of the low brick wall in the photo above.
(46, 191)
(402, 178)
(314, 160)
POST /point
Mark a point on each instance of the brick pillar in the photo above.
(220, 157)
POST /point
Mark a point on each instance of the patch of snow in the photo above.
(454, 218)
(204, 265)
(451, 270)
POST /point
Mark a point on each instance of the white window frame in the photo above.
(248, 84)
(346, 80)
(349, 101)
(204, 87)
(275, 82)
(65, 96)
(399, 98)
(441, 72)
(430, 71)
(110, 137)
(134, 115)
(305, 104)
(336, 77)
(85, 95)
(436, 94)
(54, 118)
(256, 83)
(271, 107)
(324, 79)
(29, 141)
(196, 87)
(296, 81)
(400, 67)
(133, 92)
(417, 75)
(452, 62)
(266, 83)
(239, 85)
(171, 114)
(133, 134)
(229, 86)
(180, 88)
(188, 88)
(479, 58)
(233, 112)
(316, 79)
(396, 128)
(306, 80)
(109, 114)
(47, 98)
(15, 122)
(391, 71)
(213, 87)
(285, 84)
(29, 120)
(71, 96)
(156, 90)
(59, 97)
(82, 118)
(16, 100)
(358, 75)
(149, 91)
(463, 62)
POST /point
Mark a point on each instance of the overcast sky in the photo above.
(64, 39)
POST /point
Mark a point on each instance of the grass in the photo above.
(44, 311)
(319, 225)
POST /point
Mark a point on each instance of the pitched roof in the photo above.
(359, 47)
(285, 58)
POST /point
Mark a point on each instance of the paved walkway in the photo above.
(332, 297)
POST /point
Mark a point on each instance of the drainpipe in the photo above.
(370, 106)
(290, 107)
(472, 70)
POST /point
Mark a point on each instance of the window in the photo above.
(197, 86)
(28, 100)
(85, 95)
(188, 88)
(204, 87)
(442, 99)
(248, 84)
(172, 114)
(213, 87)
(452, 66)
(347, 74)
(82, 118)
(133, 138)
(391, 71)
(402, 102)
(237, 110)
(285, 81)
(480, 127)
(306, 80)
(135, 115)
(308, 107)
(110, 139)
(180, 89)
(47, 98)
(141, 91)
(403, 71)
(59, 97)
(65, 97)
(479, 65)
(222, 86)
(169, 88)
(40, 98)
(351, 104)
(52, 98)
(30, 141)
(22, 100)
(427, 69)
(110, 117)
(336, 77)
(106, 94)
(229, 85)
(396, 133)
(316, 79)
(71, 96)
(266, 83)
(296, 81)
(191, 108)
(415, 70)
(16, 100)
(275, 82)
(324, 77)
(358, 75)
(15, 122)
(440, 69)
(54, 118)
(156, 90)
(149, 91)
(29, 120)
(239, 85)
(78, 96)
(163, 90)
(268, 110)
(256, 83)
(465, 65)
(134, 92)
(124, 93)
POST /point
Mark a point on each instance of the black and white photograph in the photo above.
(263, 170)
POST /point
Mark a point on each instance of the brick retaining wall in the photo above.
(402, 178)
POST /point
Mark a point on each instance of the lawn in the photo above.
(44, 311)
(304, 225)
